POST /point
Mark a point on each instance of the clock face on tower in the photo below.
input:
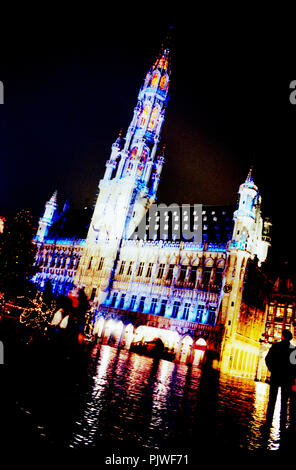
(227, 288)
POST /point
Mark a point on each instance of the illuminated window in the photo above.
(279, 312)
(143, 161)
(133, 153)
(144, 116)
(153, 118)
(162, 82)
(154, 80)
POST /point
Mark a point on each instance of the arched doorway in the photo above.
(185, 349)
(127, 336)
(98, 328)
(199, 352)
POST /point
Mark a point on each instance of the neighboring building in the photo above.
(280, 314)
(281, 308)
(2, 224)
(157, 282)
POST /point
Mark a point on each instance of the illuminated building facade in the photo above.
(186, 292)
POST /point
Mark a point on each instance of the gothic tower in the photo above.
(47, 220)
(248, 241)
(129, 185)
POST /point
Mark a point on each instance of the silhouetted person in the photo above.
(281, 376)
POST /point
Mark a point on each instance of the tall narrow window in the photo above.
(101, 263)
(130, 268)
(153, 118)
(218, 277)
(122, 266)
(182, 274)
(93, 293)
(162, 82)
(170, 272)
(114, 298)
(199, 313)
(160, 271)
(163, 307)
(140, 269)
(142, 161)
(133, 301)
(90, 261)
(154, 79)
(149, 270)
(153, 305)
(121, 301)
(212, 315)
(186, 311)
(193, 274)
(141, 304)
(206, 276)
(176, 307)
(144, 116)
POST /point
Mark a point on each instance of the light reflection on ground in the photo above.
(142, 403)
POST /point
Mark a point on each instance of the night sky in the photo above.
(71, 83)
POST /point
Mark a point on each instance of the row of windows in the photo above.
(92, 265)
(203, 314)
(57, 261)
(169, 275)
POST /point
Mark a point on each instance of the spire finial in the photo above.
(249, 178)
(118, 140)
(54, 197)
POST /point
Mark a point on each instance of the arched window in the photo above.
(162, 82)
(144, 116)
(153, 118)
(143, 161)
(154, 80)
(133, 153)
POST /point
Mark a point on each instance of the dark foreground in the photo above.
(107, 403)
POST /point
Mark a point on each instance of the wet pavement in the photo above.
(107, 401)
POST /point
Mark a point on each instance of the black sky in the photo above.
(71, 83)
